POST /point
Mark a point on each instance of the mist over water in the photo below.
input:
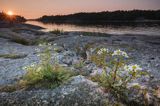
(122, 28)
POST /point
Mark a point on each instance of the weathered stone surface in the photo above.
(143, 50)
(79, 91)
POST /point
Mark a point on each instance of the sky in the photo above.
(38, 8)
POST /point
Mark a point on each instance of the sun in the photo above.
(10, 13)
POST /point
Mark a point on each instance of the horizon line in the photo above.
(94, 12)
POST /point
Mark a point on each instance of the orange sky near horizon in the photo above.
(38, 8)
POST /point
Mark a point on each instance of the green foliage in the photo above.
(45, 74)
(87, 33)
(100, 60)
(80, 64)
(115, 75)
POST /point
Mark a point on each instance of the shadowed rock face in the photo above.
(77, 92)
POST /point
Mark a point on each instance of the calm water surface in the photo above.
(152, 29)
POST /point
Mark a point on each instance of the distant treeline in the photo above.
(106, 16)
(4, 18)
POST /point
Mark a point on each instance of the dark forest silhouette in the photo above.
(105, 17)
(4, 18)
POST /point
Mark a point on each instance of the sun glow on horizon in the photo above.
(10, 13)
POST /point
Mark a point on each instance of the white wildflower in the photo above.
(55, 49)
(99, 52)
(131, 67)
(126, 67)
(135, 67)
(92, 50)
(38, 55)
(133, 85)
(40, 45)
(55, 44)
(49, 47)
(25, 68)
(49, 44)
(120, 53)
(102, 50)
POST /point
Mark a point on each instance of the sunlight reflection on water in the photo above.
(110, 29)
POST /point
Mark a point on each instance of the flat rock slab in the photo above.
(138, 47)
(11, 69)
(79, 91)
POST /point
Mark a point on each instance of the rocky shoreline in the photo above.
(22, 40)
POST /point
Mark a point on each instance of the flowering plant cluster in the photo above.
(102, 50)
(120, 53)
(115, 74)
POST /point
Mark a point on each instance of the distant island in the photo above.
(104, 17)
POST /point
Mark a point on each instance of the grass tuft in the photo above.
(13, 56)
(22, 41)
(57, 31)
(46, 76)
